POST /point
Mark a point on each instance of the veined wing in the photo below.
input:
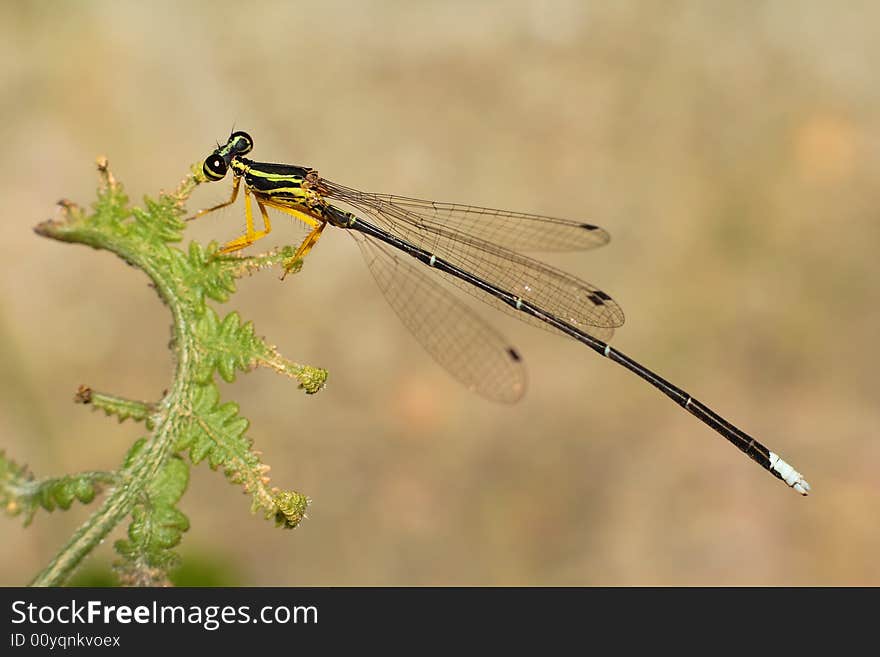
(575, 301)
(516, 231)
(455, 336)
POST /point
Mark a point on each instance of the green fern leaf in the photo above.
(156, 527)
(158, 223)
(225, 346)
(206, 274)
(22, 494)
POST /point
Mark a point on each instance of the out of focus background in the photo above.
(731, 149)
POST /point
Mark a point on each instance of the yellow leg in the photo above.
(231, 200)
(310, 241)
(294, 263)
(316, 224)
(250, 236)
(297, 214)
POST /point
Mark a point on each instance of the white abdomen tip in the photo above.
(789, 475)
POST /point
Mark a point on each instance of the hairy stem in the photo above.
(133, 479)
(190, 418)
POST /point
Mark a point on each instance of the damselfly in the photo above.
(477, 249)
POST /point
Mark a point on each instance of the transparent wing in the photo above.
(516, 231)
(456, 337)
(575, 301)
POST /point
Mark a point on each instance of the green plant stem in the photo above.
(190, 417)
(133, 479)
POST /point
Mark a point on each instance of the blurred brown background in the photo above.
(732, 150)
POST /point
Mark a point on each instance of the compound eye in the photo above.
(241, 142)
(215, 167)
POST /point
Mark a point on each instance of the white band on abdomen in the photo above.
(789, 475)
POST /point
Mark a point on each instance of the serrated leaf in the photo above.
(200, 450)
(83, 490)
(111, 208)
(158, 223)
(20, 493)
(215, 431)
(170, 483)
(63, 493)
(225, 346)
(156, 526)
(168, 526)
(205, 274)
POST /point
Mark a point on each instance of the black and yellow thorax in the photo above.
(274, 181)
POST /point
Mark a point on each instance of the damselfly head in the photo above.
(239, 143)
(217, 163)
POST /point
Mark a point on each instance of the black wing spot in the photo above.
(589, 227)
(514, 355)
(596, 299)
